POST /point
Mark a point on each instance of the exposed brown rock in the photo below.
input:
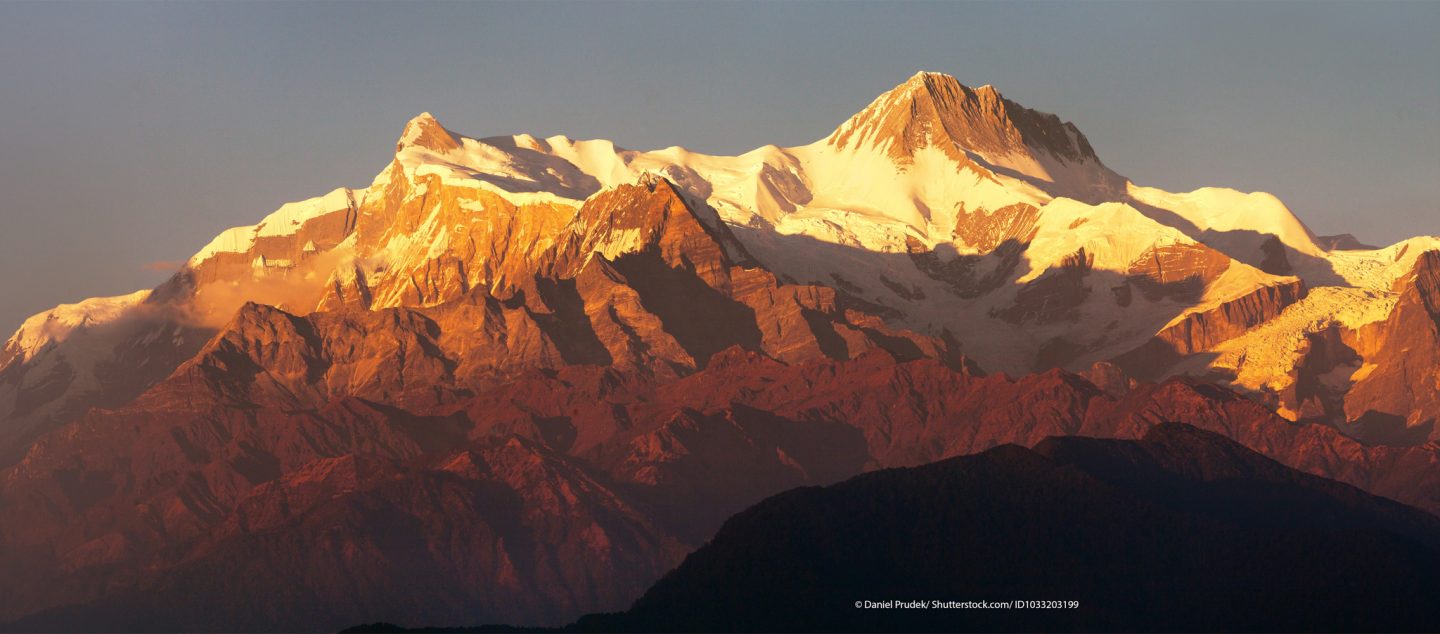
(1054, 296)
(935, 109)
(425, 131)
(485, 241)
(987, 230)
(1177, 271)
(1276, 262)
(959, 271)
(1397, 392)
(541, 406)
(1198, 331)
(611, 468)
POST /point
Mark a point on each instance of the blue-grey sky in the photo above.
(131, 133)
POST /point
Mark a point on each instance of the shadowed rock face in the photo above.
(529, 488)
(218, 464)
(1342, 242)
(1180, 530)
(1403, 378)
(1197, 331)
(1376, 381)
(636, 280)
(1054, 296)
(487, 459)
(525, 398)
(454, 217)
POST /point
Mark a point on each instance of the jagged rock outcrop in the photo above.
(935, 110)
(1396, 393)
(939, 208)
(1200, 330)
(534, 365)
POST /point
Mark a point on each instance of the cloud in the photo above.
(163, 266)
(296, 290)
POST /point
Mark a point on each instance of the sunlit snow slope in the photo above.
(948, 209)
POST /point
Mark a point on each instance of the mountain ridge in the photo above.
(939, 243)
(592, 356)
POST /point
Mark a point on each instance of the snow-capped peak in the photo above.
(285, 221)
(978, 127)
(934, 107)
(425, 131)
(58, 323)
(1232, 220)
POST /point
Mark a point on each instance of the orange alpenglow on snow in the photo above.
(516, 379)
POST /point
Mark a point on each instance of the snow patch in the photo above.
(59, 323)
(1232, 219)
(1265, 357)
(288, 219)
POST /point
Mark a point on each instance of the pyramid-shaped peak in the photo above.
(936, 109)
(927, 76)
(946, 88)
(931, 78)
(424, 131)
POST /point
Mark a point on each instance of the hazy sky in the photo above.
(132, 133)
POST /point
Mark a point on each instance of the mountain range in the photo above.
(517, 379)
